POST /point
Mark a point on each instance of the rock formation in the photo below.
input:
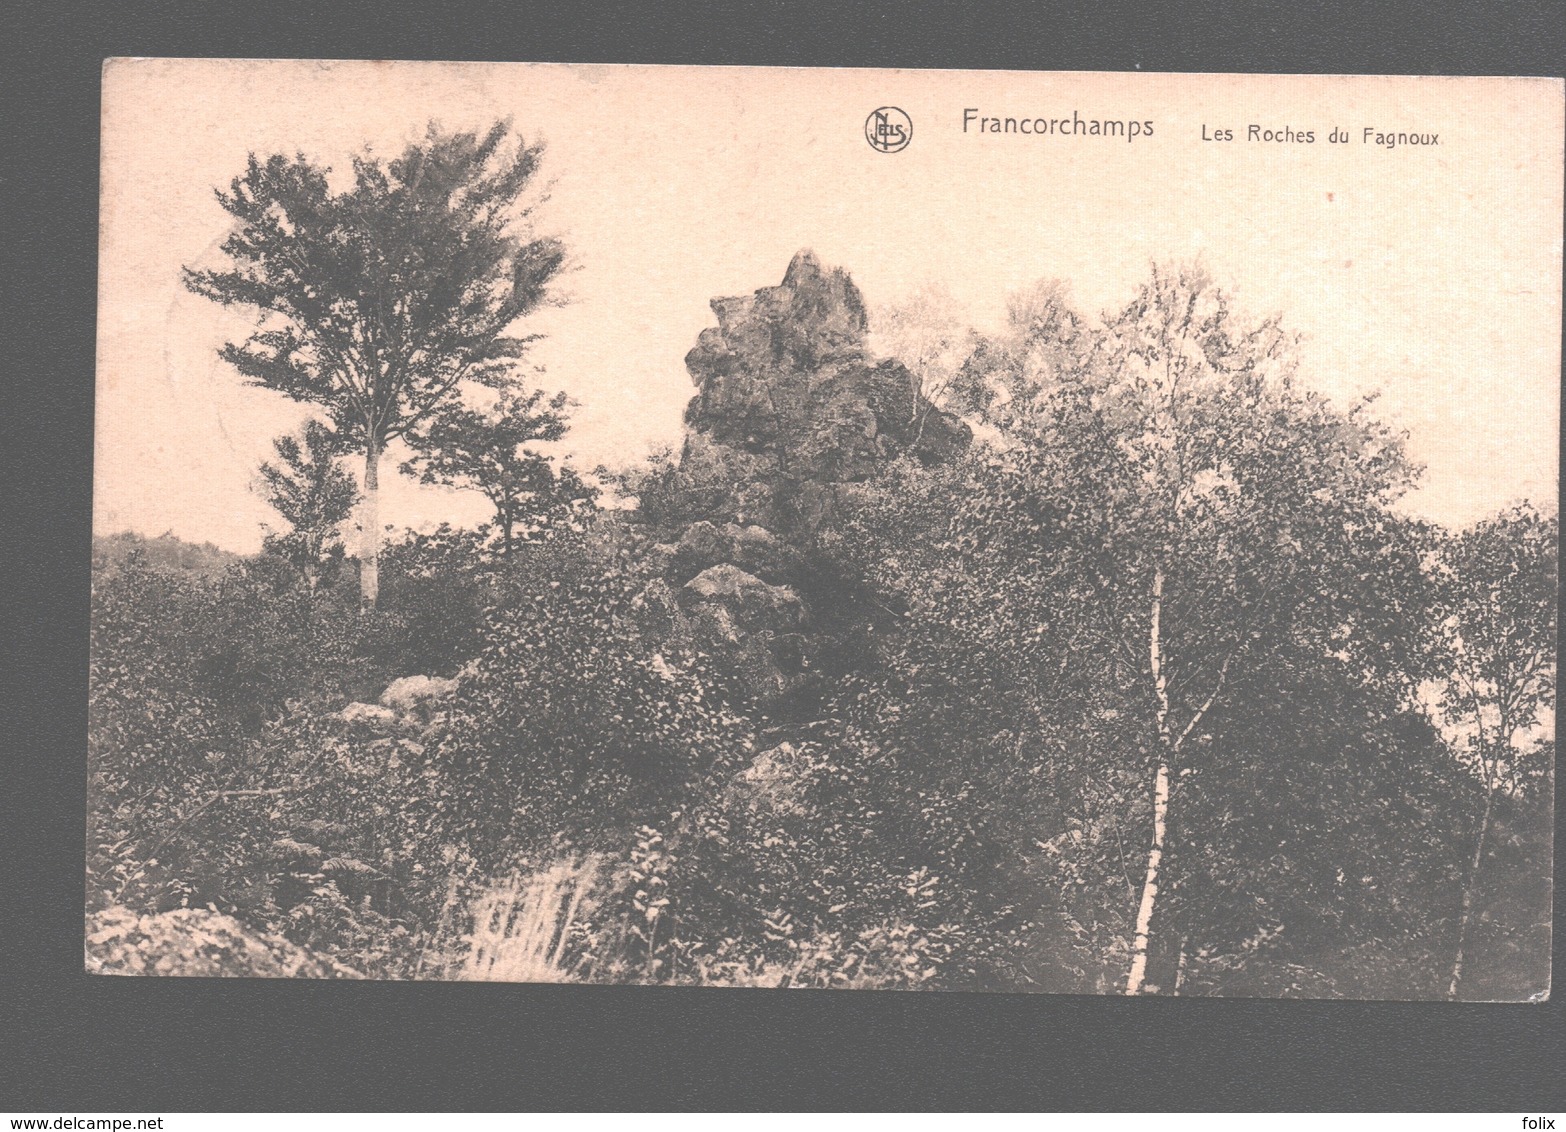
(790, 402)
(789, 405)
(417, 695)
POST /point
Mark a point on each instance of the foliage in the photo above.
(1171, 485)
(313, 495)
(989, 704)
(1338, 839)
(890, 956)
(1509, 936)
(655, 485)
(927, 334)
(523, 927)
(193, 941)
(438, 585)
(573, 718)
(1498, 594)
(377, 303)
(165, 552)
(213, 757)
(1043, 342)
(462, 447)
(155, 743)
(1499, 582)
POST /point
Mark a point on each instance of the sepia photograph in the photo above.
(840, 529)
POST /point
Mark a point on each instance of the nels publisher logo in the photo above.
(888, 129)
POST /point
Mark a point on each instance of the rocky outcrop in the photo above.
(417, 695)
(790, 402)
(410, 705)
(746, 599)
(752, 548)
(789, 406)
(774, 782)
(757, 624)
(371, 717)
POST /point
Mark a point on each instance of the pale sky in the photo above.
(1430, 273)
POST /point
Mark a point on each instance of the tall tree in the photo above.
(312, 493)
(378, 302)
(466, 448)
(1180, 474)
(1500, 577)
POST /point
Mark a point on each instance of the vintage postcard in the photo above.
(1076, 533)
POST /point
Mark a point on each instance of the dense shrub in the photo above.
(573, 719)
(219, 775)
(156, 746)
(247, 640)
(195, 942)
(435, 588)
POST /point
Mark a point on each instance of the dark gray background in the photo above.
(71, 1043)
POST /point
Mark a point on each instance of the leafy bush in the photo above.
(435, 589)
(573, 720)
(218, 775)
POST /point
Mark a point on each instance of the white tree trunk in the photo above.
(370, 555)
(1155, 855)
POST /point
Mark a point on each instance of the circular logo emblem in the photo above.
(888, 129)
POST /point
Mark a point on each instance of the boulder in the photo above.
(413, 693)
(712, 624)
(702, 545)
(749, 602)
(774, 781)
(758, 551)
(197, 941)
(371, 716)
(657, 609)
(753, 624)
(752, 548)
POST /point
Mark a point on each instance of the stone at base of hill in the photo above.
(762, 663)
(414, 693)
(749, 602)
(774, 781)
(371, 716)
(754, 623)
(657, 609)
(752, 548)
(196, 941)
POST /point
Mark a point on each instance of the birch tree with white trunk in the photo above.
(1183, 380)
(1175, 466)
